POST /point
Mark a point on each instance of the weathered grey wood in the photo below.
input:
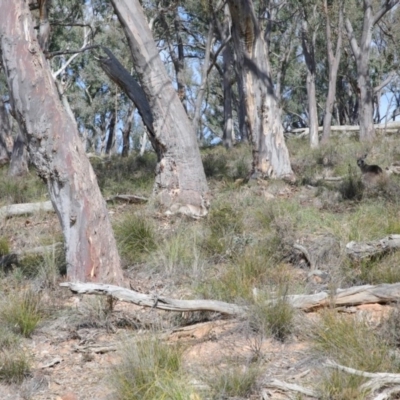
(289, 387)
(356, 295)
(160, 302)
(25, 208)
(362, 250)
(180, 178)
(376, 380)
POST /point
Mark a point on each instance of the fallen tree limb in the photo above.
(356, 295)
(366, 294)
(289, 387)
(361, 250)
(376, 381)
(160, 302)
(25, 208)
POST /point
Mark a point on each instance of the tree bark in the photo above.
(5, 135)
(270, 154)
(308, 40)
(333, 67)
(19, 157)
(180, 178)
(56, 150)
(361, 53)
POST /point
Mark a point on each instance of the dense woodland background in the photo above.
(195, 44)
(278, 256)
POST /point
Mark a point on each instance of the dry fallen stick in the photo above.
(290, 387)
(377, 380)
(356, 295)
(361, 250)
(25, 208)
(160, 302)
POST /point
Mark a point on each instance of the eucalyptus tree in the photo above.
(333, 15)
(56, 150)
(270, 154)
(309, 28)
(361, 49)
(180, 179)
(5, 135)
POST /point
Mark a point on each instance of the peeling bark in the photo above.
(5, 135)
(56, 150)
(263, 117)
(180, 178)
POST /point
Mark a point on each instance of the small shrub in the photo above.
(4, 246)
(389, 329)
(274, 316)
(22, 311)
(136, 238)
(234, 381)
(224, 223)
(14, 365)
(22, 189)
(338, 385)
(352, 188)
(8, 338)
(215, 165)
(150, 370)
(351, 343)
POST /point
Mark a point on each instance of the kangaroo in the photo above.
(368, 169)
(372, 175)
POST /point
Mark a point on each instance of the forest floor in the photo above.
(241, 253)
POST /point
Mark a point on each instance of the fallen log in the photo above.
(153, 301)
(25, 208)
(356, 295)
(362, 250)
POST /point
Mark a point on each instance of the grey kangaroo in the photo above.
(368, 169)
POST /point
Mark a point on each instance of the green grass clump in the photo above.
(4, 246)
(351, 343)
(215, 164)
(150, 370)
(22, 311)
(225, 223)
(15, 365)
(136, 238)
(338, 385)
(273, 316)
(234, 381)
(24, 189)
(122, 175)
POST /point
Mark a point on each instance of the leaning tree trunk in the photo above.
(270, 154)
(56, 150)
(19, 157)
(180, 178)
(333, 67)
(361, 52)
(5, 135)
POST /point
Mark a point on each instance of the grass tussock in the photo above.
(15, 365)
(352, 343)
(150, 369)
(120, 175)
(273, 317)
(234, 381)
(136, 238)
(22, 311)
